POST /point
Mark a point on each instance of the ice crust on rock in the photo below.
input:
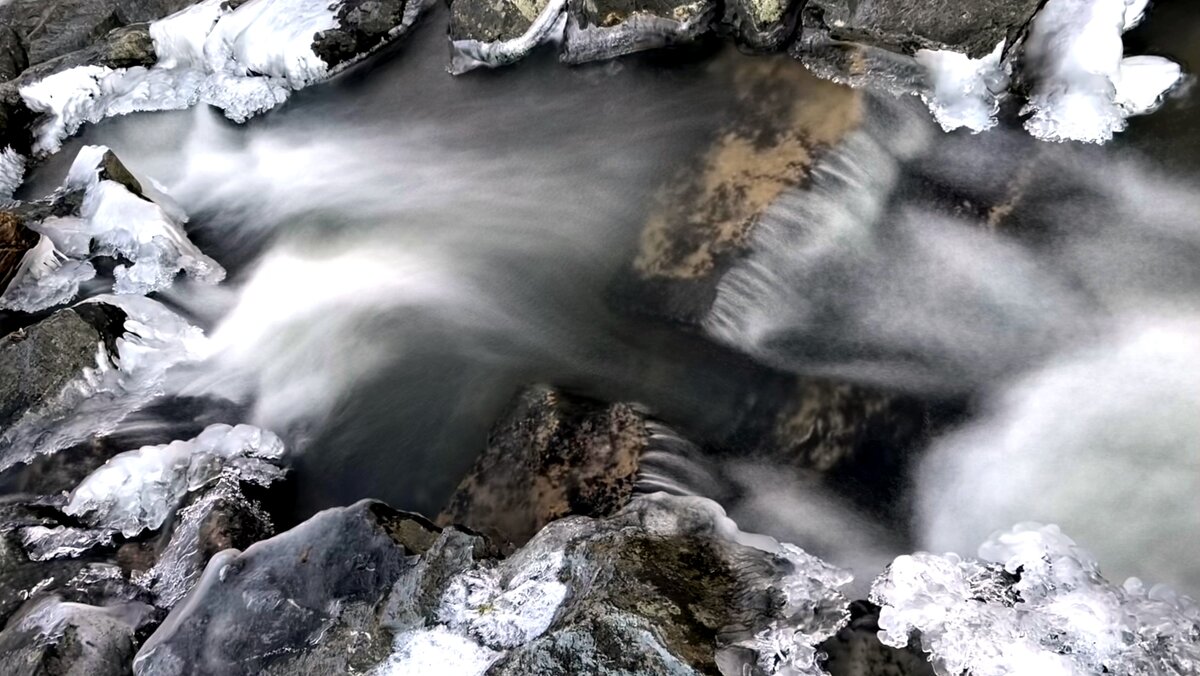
(112, 221)
(155, 340)
(244, 61)
(12, 173)
(138, 490)
(1082, 88)
(1035, 604)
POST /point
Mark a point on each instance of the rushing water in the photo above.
(408, 248)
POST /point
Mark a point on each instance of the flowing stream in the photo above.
(407, 249)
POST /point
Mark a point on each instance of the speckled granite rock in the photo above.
(603, 29)
(491, 33)
(550, 455)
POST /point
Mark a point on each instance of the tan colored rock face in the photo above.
(550, 456)
(15, 240)
(783, 119)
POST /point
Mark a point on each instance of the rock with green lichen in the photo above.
(603, 29)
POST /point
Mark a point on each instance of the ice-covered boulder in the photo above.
(667, 585)
(102, 210)
(1034, 603)
(138, 490)
(244, 58)
(52, 636)
(303, 602)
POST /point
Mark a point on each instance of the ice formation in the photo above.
(244, 61)
(547, 25)
(12, 173)
(1036, 604)
(1082, 88)
(138, 490)
(112, 221)
(964, 92)
(155, 340)
(436, 651)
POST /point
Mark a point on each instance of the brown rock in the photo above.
(15, 240)
(549, 456)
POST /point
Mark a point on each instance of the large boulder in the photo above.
(972, 27)
(303, 602)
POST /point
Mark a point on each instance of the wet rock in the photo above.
(972, 27)
(603, 29)
(220, 518)
(491, 33)
(38, 362)
(303, 602)
(19, 576)
(52, 637)
(857, 651)
(51, 31)
(783, 121)
(123, 47)
(363, 25)
(761, 25)
(12, 54)
(551, 454)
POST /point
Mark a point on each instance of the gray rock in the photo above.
(303, 602)
(491, 33)
(364, 25)
(38, 362)
(49, 31)
(550, 455)
(52, 637)
(603, 29)
(973, 27)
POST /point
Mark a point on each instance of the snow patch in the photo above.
(436, 652)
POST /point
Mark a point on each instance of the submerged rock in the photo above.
(550, 455)
(604, 29)
(704, 218)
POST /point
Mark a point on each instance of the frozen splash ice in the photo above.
(12, 173)
(1035, 604)
(244, 60)
(138, 490)
(112, 221)
(964, 92)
